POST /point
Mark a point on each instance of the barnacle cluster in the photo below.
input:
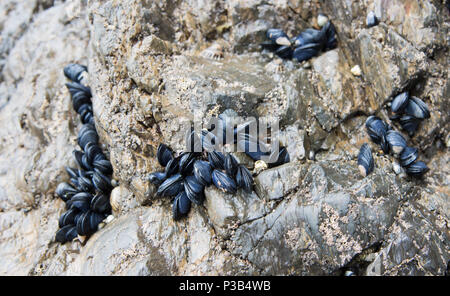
(186, 174)
(87, 194)
(306, 45)
(389, 141)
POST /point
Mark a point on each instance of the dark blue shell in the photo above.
(396, 141)
(171, 186)
(231, 165)
(81, 201)
(194, 190)
(365, 160)
(417, 169)
(216, 160)
(101, 182)
(202, 172)
(244, 179)
(100, 203)
(186, 164)
(223, 182)
(181, 206)
(417, 108)
(376, 129)
(74, 71)
(164, 154)
(399, 103)
(157, 178)
(306, 52)
(275, 36)
(68, 217)
(172, 166)
(408, 156)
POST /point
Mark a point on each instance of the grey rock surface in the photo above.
(155, 67)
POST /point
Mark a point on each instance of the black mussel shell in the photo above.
(171, 186)
(371, 19)
(306, 52)
(99, 156)
(65, 191)
(74, 71)
(100, 204)
(409, 124)
(103, 165)
(408, 156)
(396, 141)
(186, 164)
(72, 172)
(87, 135)
(91, 150)
(68, 217)
(181, 205)
(365, 160)
(217, 160)
(78, 155)
(66, 233)
(278, 37)
(279, 158)
(376, 128)
(417, 169)
(81, 201)
(417, 108)
(231, 165)
(172, 166)
(157, 178)
(85, 184)
(269, 45)
(164, 154)
(202, 172)
(223, 182)
(101, 182)
(309, 36)
(86, 164)
(244, 179)
(399, 102)
(75, 87)
(194, 190)
(88, 222)
(330, 33)
(284, 52)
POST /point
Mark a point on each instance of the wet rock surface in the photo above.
(155, 67)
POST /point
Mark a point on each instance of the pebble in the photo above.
(356, 71)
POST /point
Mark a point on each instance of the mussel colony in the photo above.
(409, 111)
(306, 45)
(186, 175)
(87, 195)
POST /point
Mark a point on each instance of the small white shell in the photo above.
(321, 20)
(356, 71)
(260, 166)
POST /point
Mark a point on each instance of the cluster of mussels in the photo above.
(303, 47)
(187, 174)
(389, 140)
(87, 194)
(409, 112)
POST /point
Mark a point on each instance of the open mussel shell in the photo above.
(194, 190)
(81, 201)
(396, 141)
(66, 233)
(417, 169)
(100, 203)
(181, 206)
(408, 156)
(202, 172)
(244, 179)
(65, 191)
(365, 160)
(101, 182)
(231, 165)
(217, 160)
(223, 182)
(171, 186)
(68, 217)
(164, 154)
(399, 103)
(417, 108)
(157, 178)
(103, 165)
(74, 72)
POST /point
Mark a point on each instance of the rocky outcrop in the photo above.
(155, 67)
